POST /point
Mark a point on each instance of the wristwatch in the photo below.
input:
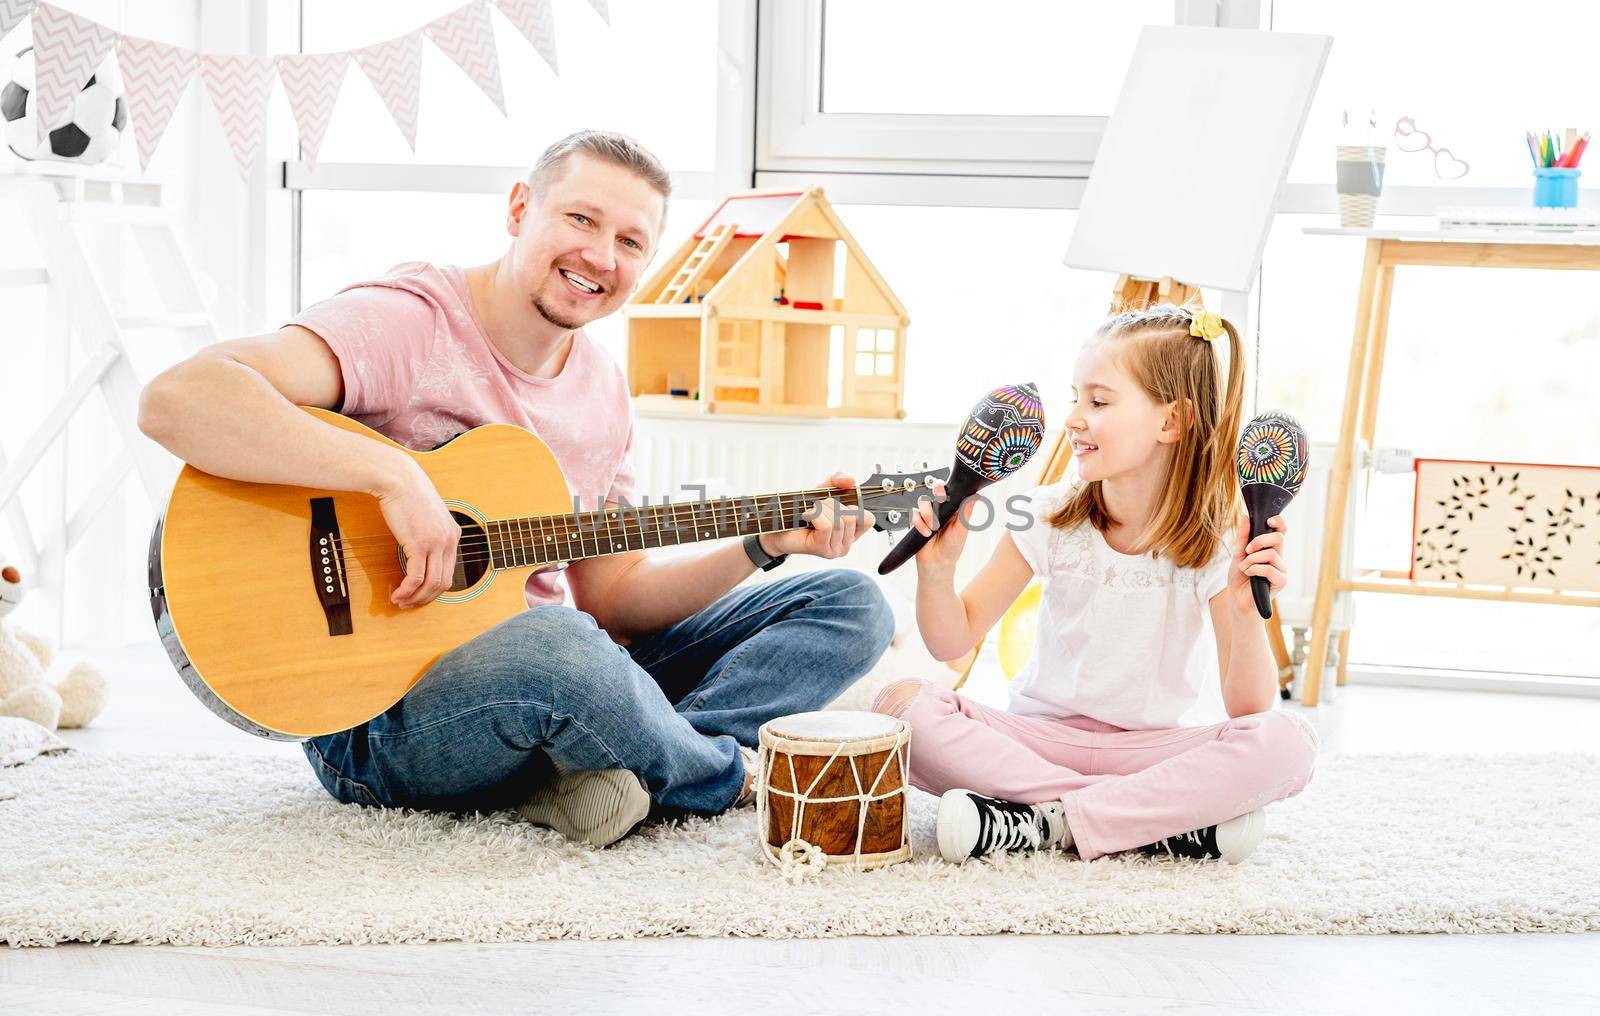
(758, 557)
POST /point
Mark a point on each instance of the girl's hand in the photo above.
(1262, 556)
(942, 551)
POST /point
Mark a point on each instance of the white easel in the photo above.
(81, 218)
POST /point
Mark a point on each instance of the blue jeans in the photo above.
(484, 726)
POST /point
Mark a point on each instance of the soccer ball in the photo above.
(91, 134)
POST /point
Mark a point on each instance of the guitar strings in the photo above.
(481, 546)
(697, 512)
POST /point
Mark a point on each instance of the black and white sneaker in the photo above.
(1231, 841)
(971, 825)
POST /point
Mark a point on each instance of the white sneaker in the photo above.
(971, 825)
(599, 808)
(1231, 841)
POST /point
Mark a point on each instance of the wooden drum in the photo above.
(831, 790)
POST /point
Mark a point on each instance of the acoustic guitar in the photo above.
(273, 601)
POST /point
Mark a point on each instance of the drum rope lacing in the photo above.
(797, 859)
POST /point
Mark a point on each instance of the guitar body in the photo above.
(242, 602)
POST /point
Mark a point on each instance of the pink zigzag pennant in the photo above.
(312, 82)
(11, 14)
(601, 9)
(395, 70)
(534, 20)
(467, 37)
(240, 87)
(155, 76)
(66, 50)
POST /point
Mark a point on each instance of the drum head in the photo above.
(833, 725)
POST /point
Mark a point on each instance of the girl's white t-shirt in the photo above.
(1124, 639)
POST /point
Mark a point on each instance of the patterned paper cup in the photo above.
(1359, 181)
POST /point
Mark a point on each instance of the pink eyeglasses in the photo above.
(1408, 137)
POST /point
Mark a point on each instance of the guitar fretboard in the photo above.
(543, 539)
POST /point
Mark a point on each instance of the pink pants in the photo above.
(1121, 788)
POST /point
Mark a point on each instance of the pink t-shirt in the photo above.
(419, 368)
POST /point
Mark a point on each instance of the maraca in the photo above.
(1002, 432)
(1272, 465)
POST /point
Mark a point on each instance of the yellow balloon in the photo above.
(1017, 629)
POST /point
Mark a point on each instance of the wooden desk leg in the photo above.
(1380, 338)
(1339, 482)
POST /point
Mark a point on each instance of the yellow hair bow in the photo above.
(1206, 325)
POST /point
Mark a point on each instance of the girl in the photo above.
(1111, 741)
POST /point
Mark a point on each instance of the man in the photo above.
(654, 682)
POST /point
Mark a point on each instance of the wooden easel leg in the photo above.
(1339, 482)
(1280, 649)
(1344, 656)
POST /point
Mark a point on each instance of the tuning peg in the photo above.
(899, 467)
(877, 467)
(924, 464)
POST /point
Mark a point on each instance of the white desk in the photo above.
(1387, 249)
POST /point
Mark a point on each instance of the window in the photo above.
(875, 352)
(372, 203)
(651, 74)
(989, 303)
(941, 87)
(945, 57)
(1475, 80)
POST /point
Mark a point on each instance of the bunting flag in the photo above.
(11, 14)
(239, 87)
(534, 20)
(467, 37)
(312, 82)
(154, 75)
(395, 70)
(66, 50)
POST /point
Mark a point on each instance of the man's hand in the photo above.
(426, 532)
(833, 527)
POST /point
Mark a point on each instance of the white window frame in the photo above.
(1027, 161)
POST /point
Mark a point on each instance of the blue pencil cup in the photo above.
(1556, 188)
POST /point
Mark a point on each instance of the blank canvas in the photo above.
(1196, 153)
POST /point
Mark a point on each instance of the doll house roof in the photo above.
(759, 244)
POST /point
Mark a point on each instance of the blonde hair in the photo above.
(609, 146)
(1199, 502)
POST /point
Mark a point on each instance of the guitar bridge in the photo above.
(327, 566)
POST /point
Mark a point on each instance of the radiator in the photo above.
(746, 455)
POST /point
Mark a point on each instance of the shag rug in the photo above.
(226, 850)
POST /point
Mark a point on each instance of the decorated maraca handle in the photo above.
(1002, 432)
(1272, 464)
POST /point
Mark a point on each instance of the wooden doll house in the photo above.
(769, 307)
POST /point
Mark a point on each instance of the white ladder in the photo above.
(81, 219)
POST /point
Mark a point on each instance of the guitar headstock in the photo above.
(892, 497)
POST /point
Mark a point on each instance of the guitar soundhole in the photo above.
(472, 553)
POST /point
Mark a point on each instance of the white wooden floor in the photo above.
(1456, 974)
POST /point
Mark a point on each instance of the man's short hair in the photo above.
(618, 149)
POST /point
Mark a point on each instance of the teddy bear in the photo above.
(24, 658)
